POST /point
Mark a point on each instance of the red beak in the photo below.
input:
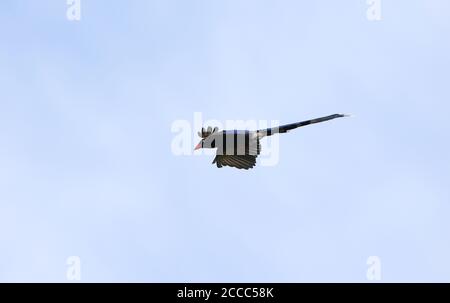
(199, 145)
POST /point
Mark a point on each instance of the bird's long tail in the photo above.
(285, 128)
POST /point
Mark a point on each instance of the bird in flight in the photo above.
(240, 148)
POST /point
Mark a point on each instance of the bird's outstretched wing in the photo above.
(238, 161)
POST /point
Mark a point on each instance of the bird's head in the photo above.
(208, 141)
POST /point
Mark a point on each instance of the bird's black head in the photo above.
(209, 140)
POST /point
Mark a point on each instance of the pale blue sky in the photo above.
(86, 167)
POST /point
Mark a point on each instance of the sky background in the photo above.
(86, 167)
